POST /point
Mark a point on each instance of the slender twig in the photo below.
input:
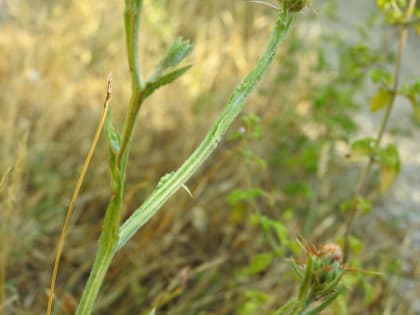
(76, 194)
(363, 179)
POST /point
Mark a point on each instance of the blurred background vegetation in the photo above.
(281, 173)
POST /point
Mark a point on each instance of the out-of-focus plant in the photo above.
(312, 190)
(398, 14)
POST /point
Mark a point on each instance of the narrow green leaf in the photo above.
(304, 286)
(296, 269)
(412, 92)
(388, 176)
(364, 205)
(257, 295)
(173, 56)
(325, 303)
(114, 148)
(240, 195)
(381, 99)
(259, 263)
(112, 135)
(151, 86)
(389, 161)
(389, 156)
(415, 106)
(363, 147)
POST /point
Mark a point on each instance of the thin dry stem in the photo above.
(366, 171)
(76, 194)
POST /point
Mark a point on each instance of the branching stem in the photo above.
(113, 237)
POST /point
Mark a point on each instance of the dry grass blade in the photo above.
(10, 184)
(76, 194)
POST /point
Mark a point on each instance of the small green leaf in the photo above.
(151, 86)
(259, 263)
(347, 205)
(390, 157)
(111, 134)
(173, 56)
(412, 92)
(380, 76)
(364, 205)
(326, 302)
(235, 135)
(416, 108)
(257, 295)
(281, 232)
(114, 149)
(356, 245)
(387, 178)
(363, 147)
(240, 195)
(382, 99)
(389, 161)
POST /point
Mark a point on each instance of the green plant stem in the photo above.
(132, 15)
(232, 109)
(109, 235)
(103, 259)
(360, 189)
(136, 101)
(111, 241)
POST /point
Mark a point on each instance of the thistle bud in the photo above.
(332, 251)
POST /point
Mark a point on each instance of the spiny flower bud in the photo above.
(333, 251)
(322, 271)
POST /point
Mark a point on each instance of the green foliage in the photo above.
(259, 262)
(364, 205)
(240, 195)
(412, 93)
(394, 10)
(268, 225)
(381, 100)
(389, 162)
(177, 52)
(161, 80)
(365, 147)
(254, 300)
